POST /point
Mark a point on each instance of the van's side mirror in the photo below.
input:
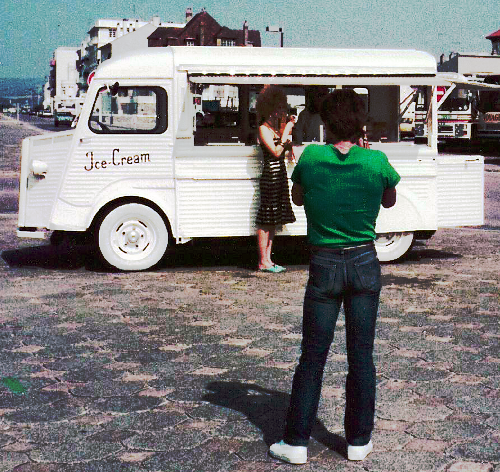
(114, 88)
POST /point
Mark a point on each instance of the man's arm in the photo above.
(389, 197)
(297, 194)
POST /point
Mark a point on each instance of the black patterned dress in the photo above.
(275, 208)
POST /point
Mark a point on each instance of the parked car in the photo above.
(63, 118)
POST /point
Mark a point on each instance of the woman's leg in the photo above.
(270, 239)
(265, 236)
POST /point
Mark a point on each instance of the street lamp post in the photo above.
(276, 29)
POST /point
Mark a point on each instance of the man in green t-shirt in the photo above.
(342, 193)
(342, 186)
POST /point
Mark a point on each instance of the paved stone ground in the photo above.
(188, 368)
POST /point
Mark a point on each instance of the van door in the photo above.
(123, 149)
(44, 159)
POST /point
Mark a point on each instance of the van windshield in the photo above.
(489, 101)
(458, 100)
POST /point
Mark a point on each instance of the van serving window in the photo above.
(226, 113)
(129, 110)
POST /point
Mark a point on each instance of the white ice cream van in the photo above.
(165, 150)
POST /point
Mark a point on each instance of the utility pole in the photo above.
(276, 29)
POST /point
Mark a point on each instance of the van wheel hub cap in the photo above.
(133, 237)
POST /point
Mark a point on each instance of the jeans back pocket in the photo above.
(369, 274)
(323, 280)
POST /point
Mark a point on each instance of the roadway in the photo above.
(41, 122)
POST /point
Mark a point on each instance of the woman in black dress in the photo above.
(275, 140)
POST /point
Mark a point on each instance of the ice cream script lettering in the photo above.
(116, 160)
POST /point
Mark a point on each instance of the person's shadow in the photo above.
(267, 410)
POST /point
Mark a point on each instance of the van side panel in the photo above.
(415, 207)
(101, 160)
(218, 191)
(460, 197)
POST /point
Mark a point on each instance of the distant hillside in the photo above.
(12, 88)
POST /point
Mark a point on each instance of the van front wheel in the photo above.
(132, 237)
(393, 246)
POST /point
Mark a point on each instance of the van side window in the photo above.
(226, 113)
(129, 110)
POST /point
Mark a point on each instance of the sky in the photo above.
(33, 29)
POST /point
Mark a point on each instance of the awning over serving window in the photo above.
(460, 81)
(356, 80)
(313, 80)
(306, 65)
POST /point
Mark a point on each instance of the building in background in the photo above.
(476, 65)
(137, 39)
(495, 43)
(70, 68)
(102, 33)
(203, 30)
(107, 37)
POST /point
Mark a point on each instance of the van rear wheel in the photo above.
(393, 246)
(132, 237)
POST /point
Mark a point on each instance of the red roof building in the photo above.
(203, 30)
(495, 43)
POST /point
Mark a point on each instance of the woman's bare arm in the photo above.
(266, 137)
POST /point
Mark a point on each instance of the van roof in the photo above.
(241, 63)
(152, 63)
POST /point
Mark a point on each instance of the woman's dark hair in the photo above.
(269, 98)
(344, 114)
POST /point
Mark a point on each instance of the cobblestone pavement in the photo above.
(188, 368)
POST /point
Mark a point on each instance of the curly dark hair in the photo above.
(344, 114)
(268, 100)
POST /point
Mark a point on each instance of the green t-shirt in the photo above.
(342, 193)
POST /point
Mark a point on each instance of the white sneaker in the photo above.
(358, 453)
(292, 454)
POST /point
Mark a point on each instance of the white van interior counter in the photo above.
(165, 150)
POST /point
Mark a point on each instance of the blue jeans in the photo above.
(350, 276)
